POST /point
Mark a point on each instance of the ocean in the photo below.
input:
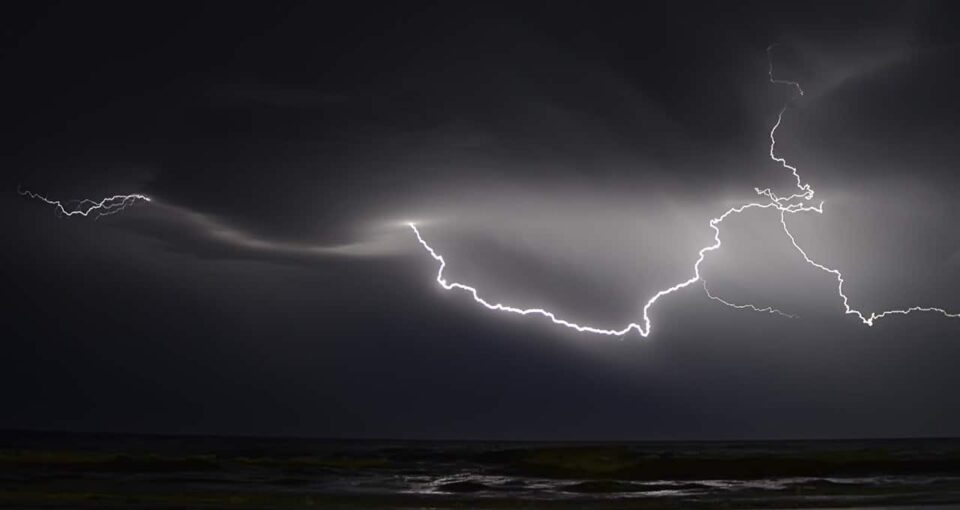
(71, 470)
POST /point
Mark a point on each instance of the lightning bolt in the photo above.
(796, 202)
(103, 207)
(643, 328)
(847, 309)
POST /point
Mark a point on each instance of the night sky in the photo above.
(566, 155)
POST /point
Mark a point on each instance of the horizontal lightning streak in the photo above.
(645, 327)
(104, 207)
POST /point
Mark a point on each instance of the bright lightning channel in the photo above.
(793, 203)
(85, 207)
(643, 328)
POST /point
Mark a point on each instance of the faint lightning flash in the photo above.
(105, 207)
(793, 203)
(768, 309)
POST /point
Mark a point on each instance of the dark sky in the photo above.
(559, 154)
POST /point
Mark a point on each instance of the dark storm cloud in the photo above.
(556, 155)
(280, 97)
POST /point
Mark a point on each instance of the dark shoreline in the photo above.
(19, 433)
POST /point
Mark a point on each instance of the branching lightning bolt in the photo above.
(85, 207)
(806, 193)
(642, 328)
(794, 203)
(847, 309)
